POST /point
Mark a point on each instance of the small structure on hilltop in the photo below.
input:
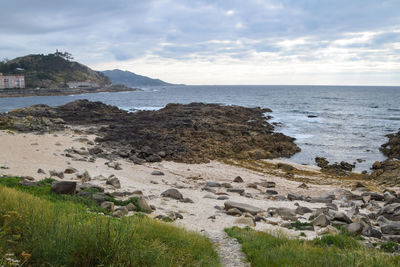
(8, 81)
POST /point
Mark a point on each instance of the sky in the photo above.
(312, 42)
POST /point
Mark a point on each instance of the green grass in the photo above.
(43, 192)
(263, 249)
(62, 233)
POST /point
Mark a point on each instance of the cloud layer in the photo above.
(216, 42)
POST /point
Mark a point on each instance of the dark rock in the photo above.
(226, 185)
(70, 170)
(235, 190)
(238, 179)
(271, 192)
(374, 196)
(64, 187)
(159, 173)
(41, 171)
(172, 193)
(251, 185)
(95, 150)
(321, 162)
(222, 198)
(304, 186)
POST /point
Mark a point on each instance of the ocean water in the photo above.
(347, 123)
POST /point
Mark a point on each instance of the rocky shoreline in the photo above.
(60, 91)
(193, 133)
(146, 155)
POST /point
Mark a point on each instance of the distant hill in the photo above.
(131, 79)
(52, 71)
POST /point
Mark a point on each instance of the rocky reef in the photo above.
(192, 133)
(388, 171)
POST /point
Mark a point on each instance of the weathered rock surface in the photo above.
(242, 207)
(192, 133)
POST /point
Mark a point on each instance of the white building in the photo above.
(12, 81)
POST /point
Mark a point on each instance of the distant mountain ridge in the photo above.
(53, 71)
(131, 79)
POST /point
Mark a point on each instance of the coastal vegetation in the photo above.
(40, 228)
(265, 249)
(52, 71)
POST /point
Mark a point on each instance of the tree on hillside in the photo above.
(65, 55)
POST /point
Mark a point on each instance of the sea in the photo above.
(341, 123)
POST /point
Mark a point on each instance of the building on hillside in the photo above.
(82, 85)
(8, 81)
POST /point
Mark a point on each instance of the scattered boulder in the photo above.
(55, 173)
(64, 187)
(187, 200)
(172, 193)
(271, 192)
(252, 185)
(303, 186)
(157, 173)
(322, 220)
(391, 212)
(114, 181)
(120, 212)
(242, 207)
(391, 228)
(302, 210)
(99, 198)
(342, 217)
(41, 171)
(285, 167)
(238, 179)
(143, 205)
(328, 230)
(131, 207)
(84, 176)
(115, 165)
(292, 197)
(86, 186)
(267, 184)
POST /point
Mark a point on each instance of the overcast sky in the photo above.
(215, 42)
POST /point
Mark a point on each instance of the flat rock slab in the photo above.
(242, 207)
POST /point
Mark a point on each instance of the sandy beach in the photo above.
(22, 154)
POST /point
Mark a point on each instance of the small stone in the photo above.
(70, 170)
(209, 196)
(292, 197)
(187, 200)
(131, 207)
(251, 185)
(55, 173)
(267, 184)
(213, 184)
(222, 198)
(226, 185)
(157, 173)
(238, 179)
(235, 190)
(302, 210)
(271, 192)
(304, 186)
(41, 171)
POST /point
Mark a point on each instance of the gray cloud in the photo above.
(98, 31)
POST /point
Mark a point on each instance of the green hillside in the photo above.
(52, 71)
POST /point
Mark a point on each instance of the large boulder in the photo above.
(172, 193)
(64, 187)
(242, 207)
(391, 228)
(321, 220)
(114, 181)
(144, 206)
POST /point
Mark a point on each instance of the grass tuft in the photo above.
(263, 249)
